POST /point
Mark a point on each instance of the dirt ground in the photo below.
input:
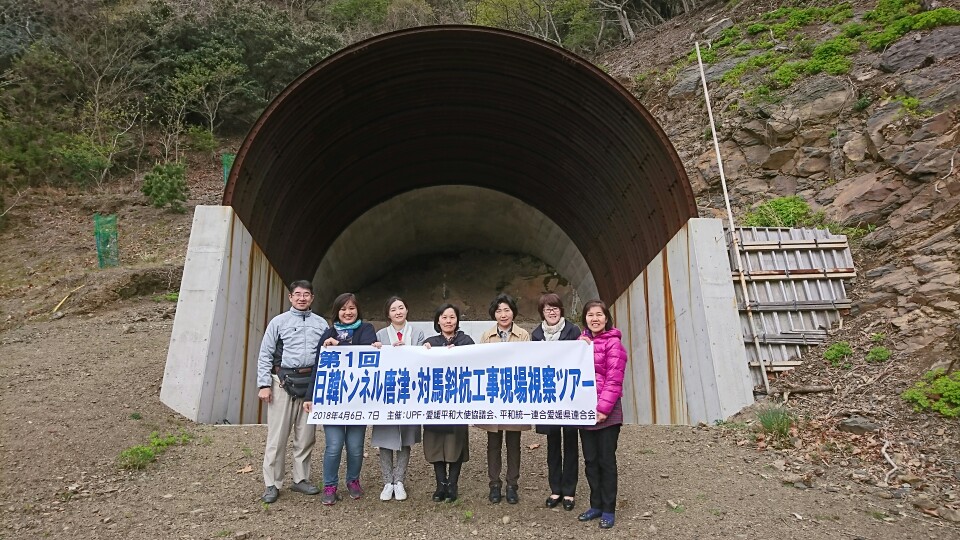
(80, 389)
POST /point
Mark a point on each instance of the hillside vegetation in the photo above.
(94, 90)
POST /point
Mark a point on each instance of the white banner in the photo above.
(496, 383)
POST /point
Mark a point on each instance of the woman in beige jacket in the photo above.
(503, 309)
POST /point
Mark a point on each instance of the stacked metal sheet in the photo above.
(795, 291)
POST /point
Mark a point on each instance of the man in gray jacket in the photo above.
(289, 347)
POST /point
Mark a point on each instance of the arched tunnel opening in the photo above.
(456, 139)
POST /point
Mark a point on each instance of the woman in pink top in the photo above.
(600, 440)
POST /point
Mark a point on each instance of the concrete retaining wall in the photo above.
(228, 294)
(681, 328)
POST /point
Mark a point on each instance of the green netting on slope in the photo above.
(105, 232)
(227, 165)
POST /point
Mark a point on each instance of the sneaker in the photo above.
(305, 487)
(270, 495)
(399, 492)
(387, 492)
(353, 487)
(329, 495)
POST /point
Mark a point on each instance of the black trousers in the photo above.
(495, 457)
(600, 463)
(563, 456)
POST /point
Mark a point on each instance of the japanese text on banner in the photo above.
(496, 383)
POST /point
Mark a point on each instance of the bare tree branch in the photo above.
(15, 201)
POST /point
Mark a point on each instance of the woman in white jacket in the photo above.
(394, 439)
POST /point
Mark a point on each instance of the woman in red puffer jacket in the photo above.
(599, 441)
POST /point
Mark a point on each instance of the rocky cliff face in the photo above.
(876, 149)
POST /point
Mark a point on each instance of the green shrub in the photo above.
(894, 18)
(830, 56)
(776, 422)
(852, 233)
(756, 28)
(934, 18)
(788, 73)
(166, 185)
(760, 93)
(878, 354)
(769, 59)
(161, 443)
(790, 211)
(201, 139)
(803, 46)
(82, 159)
(169, 297)
(137, 457)
(862, 103)
(728, 36)
(841, 16)
(837, 352)
(878, 337)
(854, 29)
(708, 56)
(937, 391)
(347, 13)
(911, 106)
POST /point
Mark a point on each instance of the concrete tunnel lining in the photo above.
(471, 217)
(466, 106)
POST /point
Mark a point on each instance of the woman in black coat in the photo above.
(447, 447)
(562, 452)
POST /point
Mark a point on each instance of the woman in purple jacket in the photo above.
(600, 440)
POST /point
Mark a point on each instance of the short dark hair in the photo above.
(302, 284)
(601, 305)
(550, 299)
(342, 301)
(502, 298)
(439, 312)
(390, 301)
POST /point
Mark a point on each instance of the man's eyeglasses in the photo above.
(301, 295)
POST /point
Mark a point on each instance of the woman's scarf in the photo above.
(504, 334)
(345, 331)
(552, 333)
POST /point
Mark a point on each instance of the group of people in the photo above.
(289, 355)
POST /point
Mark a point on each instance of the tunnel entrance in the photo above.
(460, 106)
(458, 138)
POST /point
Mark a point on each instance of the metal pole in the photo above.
(733, 229)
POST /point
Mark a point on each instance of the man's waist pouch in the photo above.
(296, 381)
